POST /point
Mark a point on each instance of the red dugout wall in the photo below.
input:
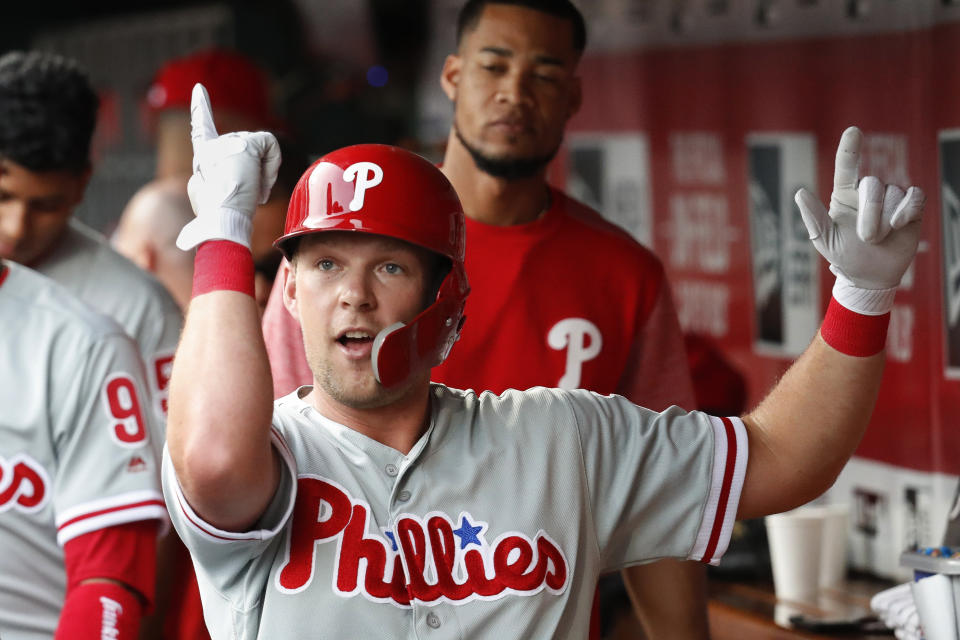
(901, 89)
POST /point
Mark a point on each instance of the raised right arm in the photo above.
(220, 407)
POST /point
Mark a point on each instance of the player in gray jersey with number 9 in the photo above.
(374, 504)
(80, 499)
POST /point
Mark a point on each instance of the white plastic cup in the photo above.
(796, 540)
(833, 553)
(934, 600)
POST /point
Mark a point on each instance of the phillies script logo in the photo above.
(428, 560)
(23, 484)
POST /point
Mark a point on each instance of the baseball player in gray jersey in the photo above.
(47, 115)
(79, 490)
(375, 504)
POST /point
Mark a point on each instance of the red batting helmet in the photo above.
(388, 191)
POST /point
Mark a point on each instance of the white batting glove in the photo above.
(869, 235)
(232, 173)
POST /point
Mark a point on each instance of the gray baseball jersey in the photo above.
(495, 525)
(85, 264)
(75, 455)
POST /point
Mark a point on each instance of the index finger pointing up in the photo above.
(848, 159)
(201, 116)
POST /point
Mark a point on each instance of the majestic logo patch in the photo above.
(136, 464)
(431, 559)
(23, 484)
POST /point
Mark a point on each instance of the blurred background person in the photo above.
(242, 103)
(147, 231)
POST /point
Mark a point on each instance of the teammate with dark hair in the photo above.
(565, 10)
(48, 112)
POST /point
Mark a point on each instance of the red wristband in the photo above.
(99, 610)
(854, 333)
(222, 265)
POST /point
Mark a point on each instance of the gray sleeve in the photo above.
(233, 566)
(661, 485)
(106, 469)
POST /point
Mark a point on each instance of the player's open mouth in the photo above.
(356, 342)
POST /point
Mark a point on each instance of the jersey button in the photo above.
(391, 470)
(403, 496)
(433, 620)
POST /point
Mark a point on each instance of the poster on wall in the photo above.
(785, 263)
(950, 202)
(611, 173)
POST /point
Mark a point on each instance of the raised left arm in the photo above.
(802, 434)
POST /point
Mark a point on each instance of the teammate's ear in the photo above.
(450, 75)
(287, 275)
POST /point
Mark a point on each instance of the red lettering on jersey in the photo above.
(23, 484)
(445, 554)
(355, 547)
(123, 406)
(162, 368)
(312, 494)
(430, 562)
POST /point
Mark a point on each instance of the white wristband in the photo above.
(868, 302)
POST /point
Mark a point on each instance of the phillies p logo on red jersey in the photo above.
(582, 340)
(23, 484)
(430, 559)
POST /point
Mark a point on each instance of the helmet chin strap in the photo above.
(390, 370)
(409, 348)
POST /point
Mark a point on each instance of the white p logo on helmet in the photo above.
(367, 175)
